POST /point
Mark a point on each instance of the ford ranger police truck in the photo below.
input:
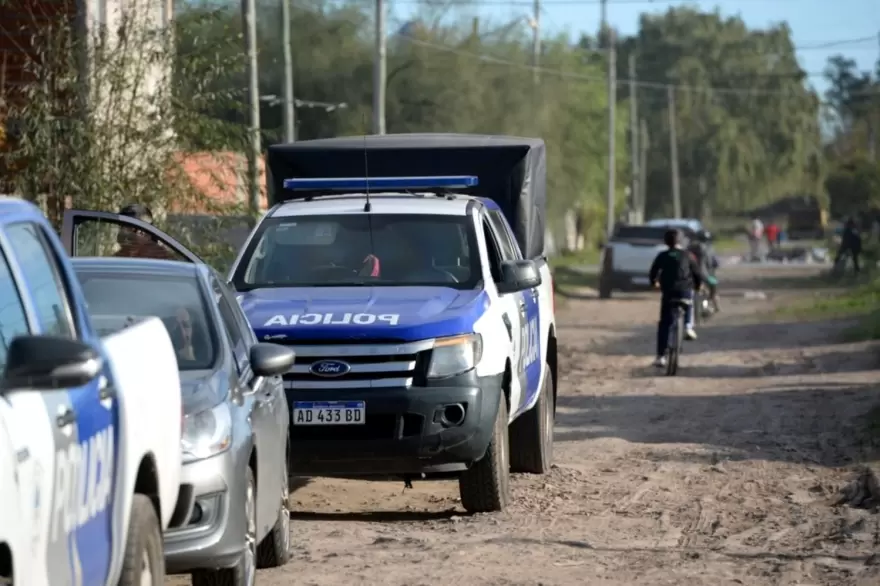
(420, 307)
(89, 426)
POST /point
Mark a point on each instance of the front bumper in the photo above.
(404, 432)
(210, 504)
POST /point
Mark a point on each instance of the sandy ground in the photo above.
(726, 474)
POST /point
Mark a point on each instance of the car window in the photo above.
(43, 276)
(358, 249)
(13, 319)
(99, 237)
(494, 253)
(115, 299)
(244, 326)
(508, 248)
(238, 338)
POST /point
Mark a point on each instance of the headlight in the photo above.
(207, 433)
(452, 356)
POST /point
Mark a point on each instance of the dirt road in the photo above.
(723, 475)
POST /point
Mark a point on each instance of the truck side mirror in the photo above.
(518, 275)
(48, 363)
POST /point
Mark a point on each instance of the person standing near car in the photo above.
(136, 244)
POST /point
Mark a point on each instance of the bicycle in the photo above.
(676, 334)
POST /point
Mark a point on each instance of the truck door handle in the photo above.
(66, 418)
(106, 392)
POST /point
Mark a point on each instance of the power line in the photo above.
(468, 3)
(597, 79)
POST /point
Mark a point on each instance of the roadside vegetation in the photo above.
(843, 298)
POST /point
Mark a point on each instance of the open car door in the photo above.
(88, 233)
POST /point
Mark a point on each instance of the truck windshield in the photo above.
(116, 300)
(357, 250)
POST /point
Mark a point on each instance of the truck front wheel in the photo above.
(531, 435)
(144, 561)
(485, 486)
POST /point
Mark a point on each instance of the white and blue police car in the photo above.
(89, 425)
(425, 342)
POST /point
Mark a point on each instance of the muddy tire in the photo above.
(531, 435)
(245, 572)
(144, 561)
(485, 486)
(274, 550)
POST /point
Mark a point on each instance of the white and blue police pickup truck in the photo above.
(423, 323)
(90, 426)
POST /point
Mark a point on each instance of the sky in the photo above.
(820, 28)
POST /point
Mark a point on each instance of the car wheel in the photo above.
(144, 561)
(531, 435)
(245, 572)
(485, 486)
(274, 551)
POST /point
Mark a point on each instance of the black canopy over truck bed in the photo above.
(512, 171)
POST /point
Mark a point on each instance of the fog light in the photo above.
(204, 510)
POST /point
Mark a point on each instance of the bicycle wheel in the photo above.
(675, 343)
(698, 307)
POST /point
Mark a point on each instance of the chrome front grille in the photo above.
(372, 365)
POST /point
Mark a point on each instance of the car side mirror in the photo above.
(518, 275)
(271, 359)
(46, 363)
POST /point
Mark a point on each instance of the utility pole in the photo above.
(379, 71)
(289, 103)
(612, 105)
(673, 153)
(536, 41)
(643, 167)
(249, 15)
(633, 139)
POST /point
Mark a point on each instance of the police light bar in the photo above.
(381, 183)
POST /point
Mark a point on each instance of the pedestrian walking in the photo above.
(756, 235)
(850, 244)
(772, 233)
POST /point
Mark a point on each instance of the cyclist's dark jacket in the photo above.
(705, 257)
(678, 272)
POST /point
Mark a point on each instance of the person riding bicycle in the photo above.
(701, 248)
(678, 275)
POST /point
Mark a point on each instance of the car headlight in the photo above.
(455, 355)
(207, 433)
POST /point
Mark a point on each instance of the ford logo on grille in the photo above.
(329, 368)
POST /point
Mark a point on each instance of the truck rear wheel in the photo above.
(531, 435)
(485, 486)
(144, 561)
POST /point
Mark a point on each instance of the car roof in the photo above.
(17, 209)
(428, 204)
(692, 223)
(144, 266)
(409, 140)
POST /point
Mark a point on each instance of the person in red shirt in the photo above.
(136, 244)
(772, 232)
